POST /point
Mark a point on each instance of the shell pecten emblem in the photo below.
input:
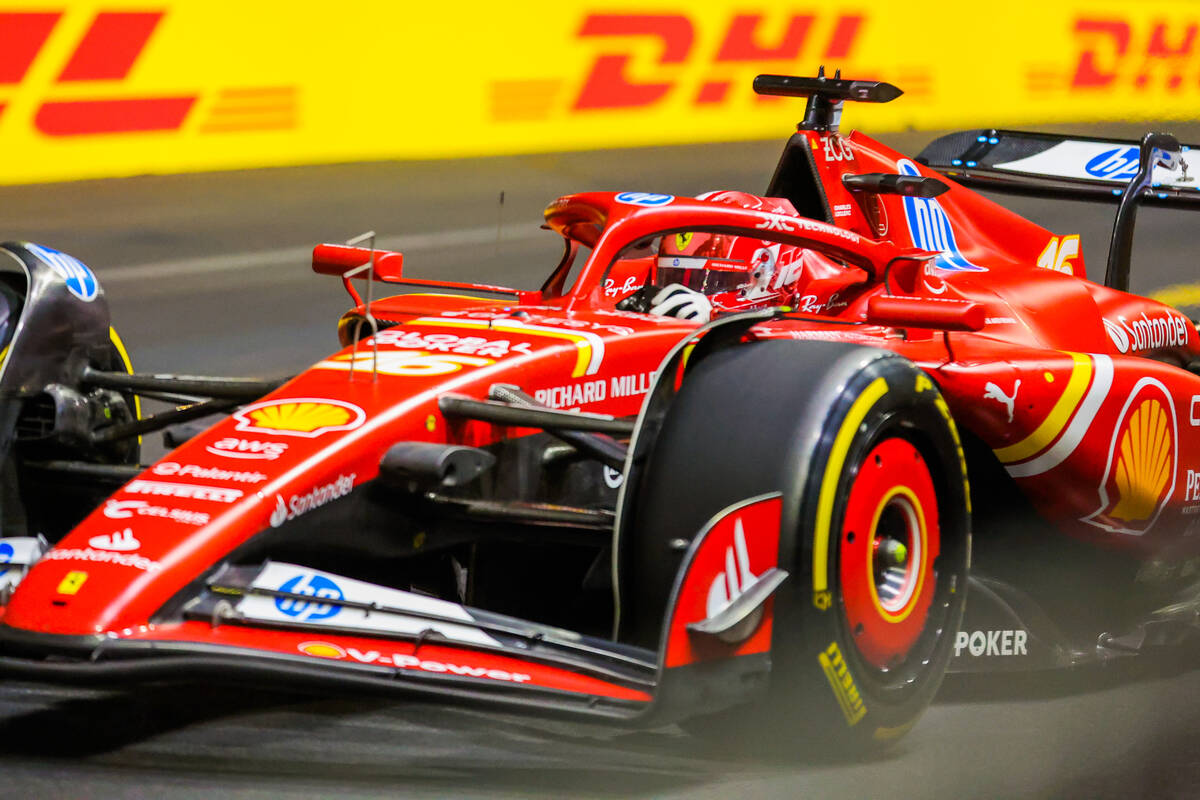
(299, 416)
(1139, 476)
(1144, 462)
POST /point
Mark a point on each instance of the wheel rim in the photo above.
(890, 541)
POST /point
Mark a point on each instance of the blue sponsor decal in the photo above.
(317, 587)
(1118, 164)
(931, 230)
(644, 199)
(80, 280)
(6, 557)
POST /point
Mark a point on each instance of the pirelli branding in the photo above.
(842, 683)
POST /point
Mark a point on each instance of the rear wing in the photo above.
(1071, 167)
(1154, 171)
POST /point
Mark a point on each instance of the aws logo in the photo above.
(1140, 474)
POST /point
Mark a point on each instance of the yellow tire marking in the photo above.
(127, 362)
(833, 472)
(1056, 420)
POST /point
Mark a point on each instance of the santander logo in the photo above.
(118, 541)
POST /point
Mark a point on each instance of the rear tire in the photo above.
(874, 531)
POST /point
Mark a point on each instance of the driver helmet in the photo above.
(717, 263)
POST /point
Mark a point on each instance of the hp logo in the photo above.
(316, 586)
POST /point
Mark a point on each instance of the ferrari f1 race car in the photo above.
(790, 455)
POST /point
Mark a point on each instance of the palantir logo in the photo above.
(316, 586)
(931, 230)
(1118, 164)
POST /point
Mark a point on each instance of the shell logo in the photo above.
(299, 416)
(321, 650)
(1140, 475)
(1144, 464)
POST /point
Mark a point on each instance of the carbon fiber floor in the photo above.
(207, 273)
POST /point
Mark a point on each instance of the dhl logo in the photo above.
(107, 53)
(644, 60)
(1117, 53)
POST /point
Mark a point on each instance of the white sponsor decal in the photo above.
(630, 385)
(117, 541)
(207, 473)
(612, 290)
(572, 395)
(103, 557)
(837, 149)
(1094, 161)
(777, 222)
(124, 509)
(843, 210)
(992, 391)
(991, 643)
(189, 490)
(1192, 492)
(729, 585)
(329, 650)
(321, 599)
(613, 478)
(1194, 417)
(299, 504)
(448, 343)
(1148, 332)
(232, 447)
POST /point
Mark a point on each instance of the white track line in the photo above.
(303, 255)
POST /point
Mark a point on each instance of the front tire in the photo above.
(874, 531)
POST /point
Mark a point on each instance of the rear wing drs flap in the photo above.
(1071, 167)
(1154, 171)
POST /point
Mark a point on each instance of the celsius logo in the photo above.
(1119, 164)
(644, 199)
(231, 447)
(119, 541)
(79, 279)
(930, 228)
(315, 586)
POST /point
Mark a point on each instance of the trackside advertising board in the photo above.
(91, 89)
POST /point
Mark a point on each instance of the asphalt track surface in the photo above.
(208, 274)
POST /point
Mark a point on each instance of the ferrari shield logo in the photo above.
(682, 240)
(1140, 474)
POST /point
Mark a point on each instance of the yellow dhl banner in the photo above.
(91, 89)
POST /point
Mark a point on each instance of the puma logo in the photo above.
(994, 392)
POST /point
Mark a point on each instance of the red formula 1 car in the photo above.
(738, 453)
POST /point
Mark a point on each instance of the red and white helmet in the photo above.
(718, 263)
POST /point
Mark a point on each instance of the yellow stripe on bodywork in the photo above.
(588, 355)
(1056, 420)
(833, 472)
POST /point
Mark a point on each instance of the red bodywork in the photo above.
(1076, 388)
